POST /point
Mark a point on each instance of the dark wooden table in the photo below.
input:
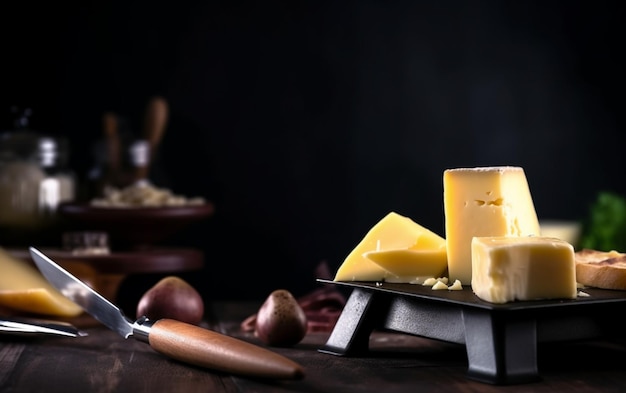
(105, 362)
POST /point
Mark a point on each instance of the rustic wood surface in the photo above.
(105, 362)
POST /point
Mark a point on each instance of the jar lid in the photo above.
(24, 144)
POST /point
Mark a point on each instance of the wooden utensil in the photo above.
(154, 126)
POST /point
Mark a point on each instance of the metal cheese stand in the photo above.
(501, 339)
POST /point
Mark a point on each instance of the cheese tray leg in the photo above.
(351, 334)
(501, 349)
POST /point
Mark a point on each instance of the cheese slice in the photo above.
(23, 288)
(411, 265)
(507, 268)
(484, 201)
(392, 232)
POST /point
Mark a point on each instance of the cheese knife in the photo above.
(178, 340)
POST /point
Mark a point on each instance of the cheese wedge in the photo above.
(393, 232)
(484, 201)
(23, 288)
(507, 268)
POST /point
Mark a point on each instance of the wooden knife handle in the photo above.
(206, 348)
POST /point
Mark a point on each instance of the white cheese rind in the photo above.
(507, 269)
(484, 201)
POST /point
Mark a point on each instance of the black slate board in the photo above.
(467, 298)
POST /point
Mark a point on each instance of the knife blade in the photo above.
(31, 326)
(178, 340)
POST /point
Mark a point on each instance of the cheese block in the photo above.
(392, 232)
(412, 265)
(23, 288)
(561, 229)
(508, 268)
(601, 269)
(484, 201)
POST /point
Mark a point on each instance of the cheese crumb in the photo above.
(439, 285)
(583, 294)
(456, 286)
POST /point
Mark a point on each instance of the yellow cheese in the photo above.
(506, 269)
(23, 288)
(561, 229)
(392, 232)
(484, 201)
(411, 265)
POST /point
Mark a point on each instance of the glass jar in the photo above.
(34, 179)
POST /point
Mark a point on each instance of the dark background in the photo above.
(307, 122)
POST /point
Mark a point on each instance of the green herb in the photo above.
(605, 228)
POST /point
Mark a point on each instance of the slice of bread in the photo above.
(601, 269)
